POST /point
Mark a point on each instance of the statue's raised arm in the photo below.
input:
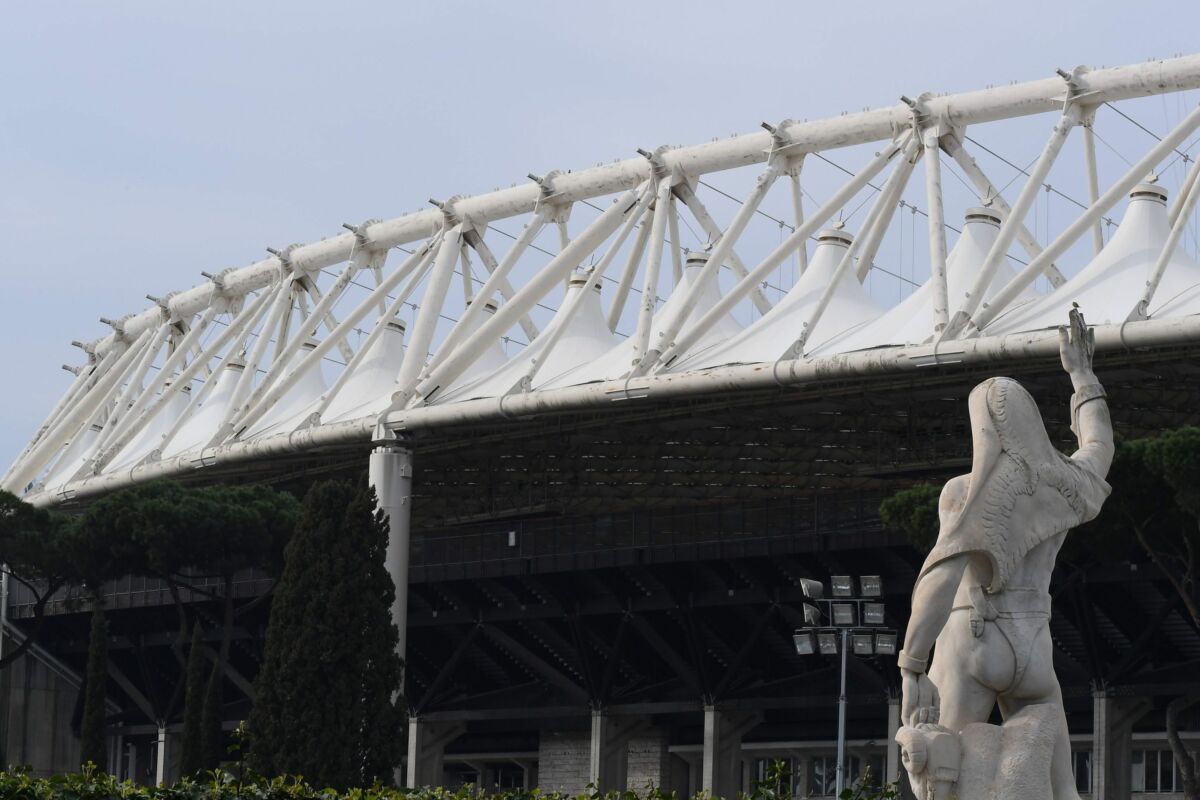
(979, 629)
(1089, 411)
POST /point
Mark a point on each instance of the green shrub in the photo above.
(91, 784)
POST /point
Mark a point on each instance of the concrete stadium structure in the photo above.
(603, 535)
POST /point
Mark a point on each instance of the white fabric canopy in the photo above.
(1109, 287)
(773, 335)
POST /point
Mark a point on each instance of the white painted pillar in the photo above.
(160, 765)
(390, 472)
(708, 766)
(1100, 746)
(893, 750)
(427, 751)
(596, 749)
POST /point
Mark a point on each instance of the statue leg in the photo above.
(964, 698)
(1039, 685)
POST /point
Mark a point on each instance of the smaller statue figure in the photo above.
(982, 596)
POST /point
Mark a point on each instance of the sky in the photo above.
(144, 142)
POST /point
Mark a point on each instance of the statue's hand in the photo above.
(920, 701)
(1076, 344)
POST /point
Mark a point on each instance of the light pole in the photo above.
(858, 621)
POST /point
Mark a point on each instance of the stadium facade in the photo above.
(604, 533)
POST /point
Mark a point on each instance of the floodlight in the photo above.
(805, 645)
(885, 644)
(843, 614)
(827, 643)
(812, 615)
(843, 586)
(863, 644)
(871, 586)
(872, 613)
(812, 589)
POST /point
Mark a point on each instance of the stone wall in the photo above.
(649, 762)
(563, 761)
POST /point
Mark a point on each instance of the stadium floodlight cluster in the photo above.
(234, 370)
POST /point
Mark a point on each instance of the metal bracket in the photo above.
(782, 145)
(360, 232)
(285, 259)
(450, 215)
(551, 198)
(1077, 91)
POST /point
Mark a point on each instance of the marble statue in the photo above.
(982, 596)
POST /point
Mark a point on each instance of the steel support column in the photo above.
(427, 750)
(390, 472)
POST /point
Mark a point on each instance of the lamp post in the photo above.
(857, 620)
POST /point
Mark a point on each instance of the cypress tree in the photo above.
(212, 752)
(327, 704)
(93, 745)
(191, 756)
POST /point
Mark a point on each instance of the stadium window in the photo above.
(1081, 765)
(822, 773)
(1154, 772)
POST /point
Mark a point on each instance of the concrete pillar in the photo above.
(892, 765)
(1112, 743)
(160, 762)
(721, 769)
(390, 471)
(427, 749)
(608, 750)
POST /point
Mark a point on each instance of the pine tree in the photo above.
(93, 745)
(191, 756)
(327, 704)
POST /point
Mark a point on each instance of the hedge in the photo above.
(18, 784)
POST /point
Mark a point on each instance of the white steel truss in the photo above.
(236, 368)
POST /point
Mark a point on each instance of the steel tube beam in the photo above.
(893, 362)
(389, 313)
(431, 308)
(713, 231)
(676, 245)
(128, 425)
(1093, 180)
(284, 356)
(1095, 211)
(329, 342)
(1008, 230)
(73, 420)
(990, 195)
(785, 248)
(281, 296)
(1184, 190)
(240, 326)
(937, 229)
(537, 287)
(475, 239)
(877, 219)
(658, 231)
(712, 266)
(986, 105)
(872, 235)
(594, 276)
(798, 207)
(617, 306)
(1186, 205)
(495, 281)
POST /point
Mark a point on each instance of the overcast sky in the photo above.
(141, 143)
